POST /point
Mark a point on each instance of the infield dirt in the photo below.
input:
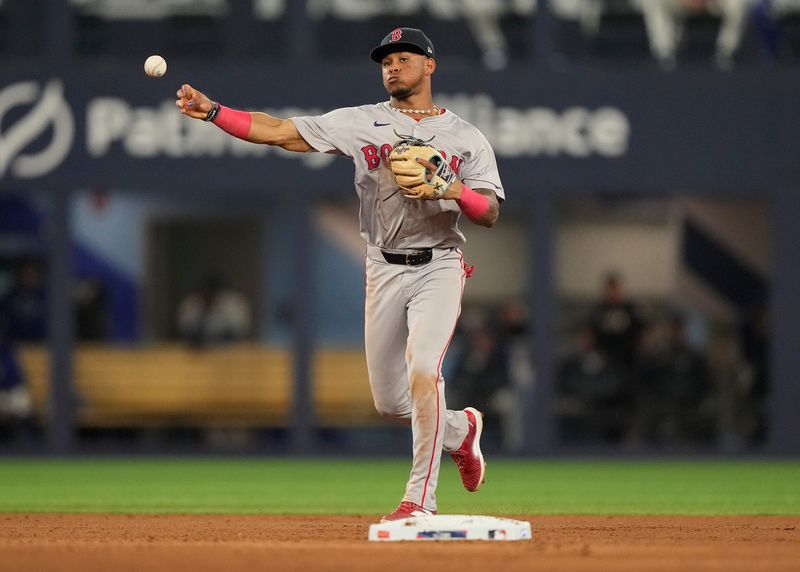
(89, 543)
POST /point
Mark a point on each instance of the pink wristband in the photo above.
(473, 205)
(232, 121)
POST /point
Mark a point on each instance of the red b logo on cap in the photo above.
(397, 34)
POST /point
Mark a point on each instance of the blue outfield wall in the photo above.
(592, 129)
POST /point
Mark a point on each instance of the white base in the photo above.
(451, 527)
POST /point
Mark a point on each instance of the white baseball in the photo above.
(155, 66)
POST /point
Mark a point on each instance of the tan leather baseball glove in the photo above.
(417, 181)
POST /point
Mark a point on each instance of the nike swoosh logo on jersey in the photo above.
(376, 124)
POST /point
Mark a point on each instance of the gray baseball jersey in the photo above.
(366, 134)
(410, 310)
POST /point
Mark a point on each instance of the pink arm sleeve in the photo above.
(473, 205)
(232, 121)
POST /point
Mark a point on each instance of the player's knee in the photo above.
(388, 410)
(383, 410)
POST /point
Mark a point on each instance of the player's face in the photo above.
(404, 73)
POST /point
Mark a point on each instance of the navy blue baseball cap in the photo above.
(403, 40)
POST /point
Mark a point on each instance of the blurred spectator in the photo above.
(24, 307)
(674, 401)
(490, 366)
(508, 400)
(588, 13)
(767, 25)
(592, 398)
(665, 21)
(214, 313)
(595, 383)
(91, 309)
(770, 17)
(754, 381)
(616, 325)
(481, 368)
(16, 408)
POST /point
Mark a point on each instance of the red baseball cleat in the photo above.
(468, 457)
(407, 509)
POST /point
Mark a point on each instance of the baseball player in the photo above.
(418, 167)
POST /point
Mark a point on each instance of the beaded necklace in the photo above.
(435, 110)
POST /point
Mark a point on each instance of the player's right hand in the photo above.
(192, 102)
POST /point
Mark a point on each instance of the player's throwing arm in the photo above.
(250, 126)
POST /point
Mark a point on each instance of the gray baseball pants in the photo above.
(410, 316)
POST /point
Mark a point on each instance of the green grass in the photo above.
(331, 486)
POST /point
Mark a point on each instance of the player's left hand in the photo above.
(453, 190)
(422, 172)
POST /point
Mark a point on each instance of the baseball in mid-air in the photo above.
(155, 66)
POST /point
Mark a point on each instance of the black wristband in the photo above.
(213, 113)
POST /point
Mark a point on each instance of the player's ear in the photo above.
(430, 66)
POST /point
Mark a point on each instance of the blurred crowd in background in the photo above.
(628, 375)
(724, 32)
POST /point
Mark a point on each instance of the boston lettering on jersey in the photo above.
(373, 156)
